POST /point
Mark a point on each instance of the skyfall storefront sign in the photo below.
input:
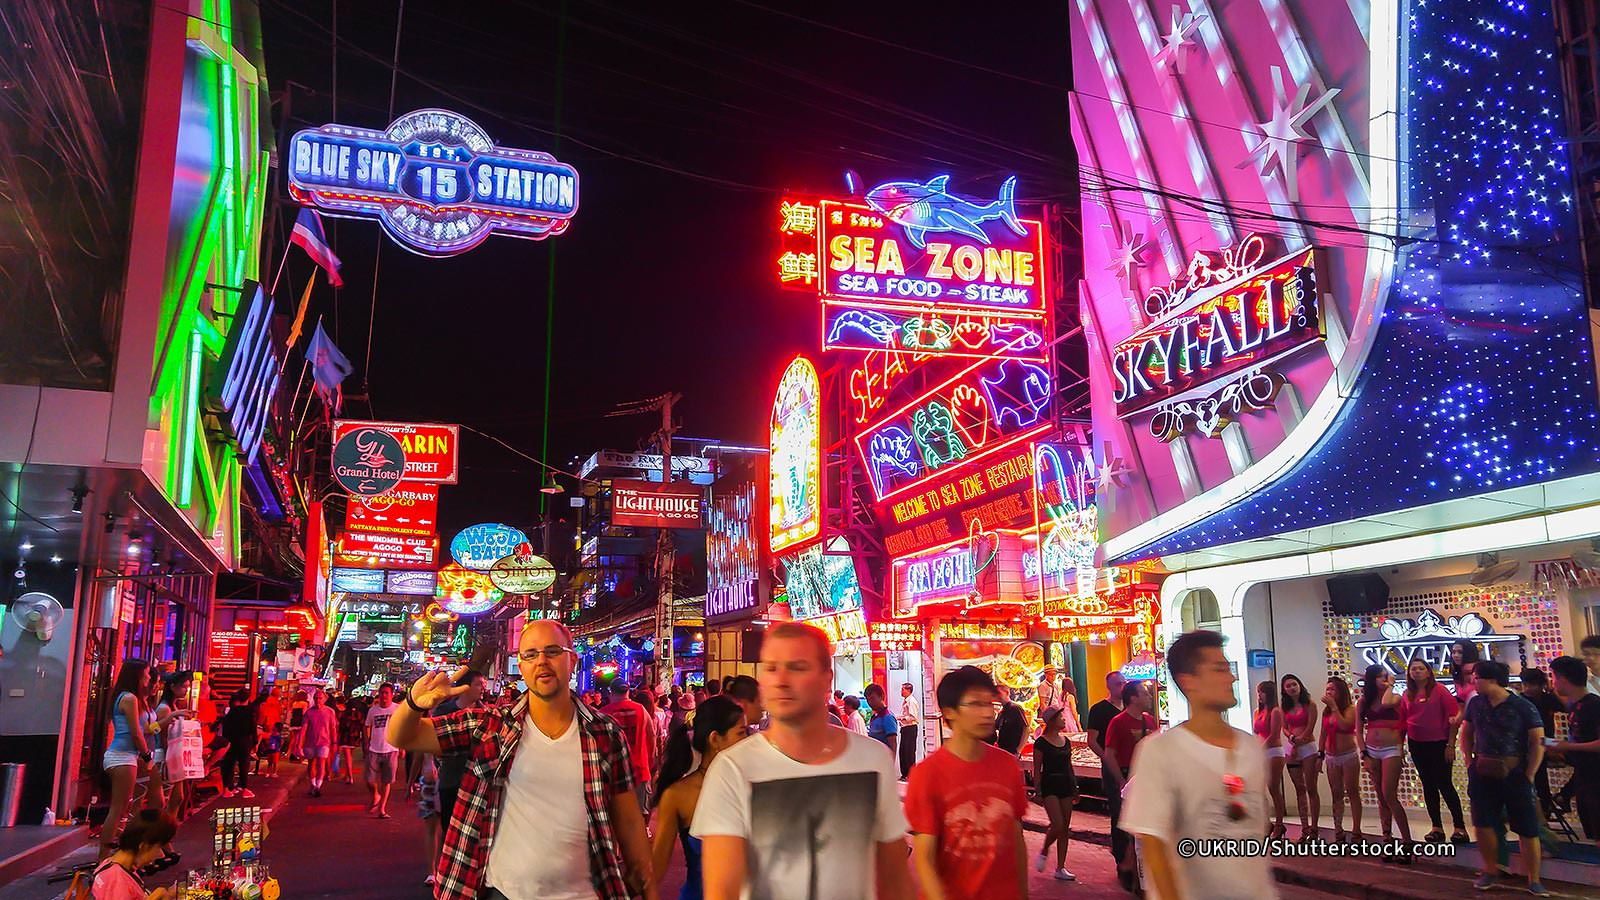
(435, 181)
(1224, 322)
(1429, 637)
(645, 504)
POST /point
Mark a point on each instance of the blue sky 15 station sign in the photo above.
(434, 179)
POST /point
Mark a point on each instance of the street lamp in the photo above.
(550, 486)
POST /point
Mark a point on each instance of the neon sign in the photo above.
(467, 592)
(479, 547)
(251, 378)
(795, 460)
(1429, 637)
(982, 631)
(522, 572)
(360, 581)
(1066, 520)
(368, 462)
(1219, 322)
(411, 582)
(434, 180)
(883, 636)
(989, 406)
(409, 508)
(733, 558)
(845, 627)
(821, 583)
(984, 568)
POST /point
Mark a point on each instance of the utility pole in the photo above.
(665, 600)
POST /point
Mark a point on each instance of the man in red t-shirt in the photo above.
(965, 802)
(636, 727)
(1128, 728)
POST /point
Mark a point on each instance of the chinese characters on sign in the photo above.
(887, 636)
(435, 181)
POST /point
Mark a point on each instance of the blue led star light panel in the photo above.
(435, 181)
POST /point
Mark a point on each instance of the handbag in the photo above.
(1496, 767)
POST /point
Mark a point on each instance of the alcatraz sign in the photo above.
(434, 179)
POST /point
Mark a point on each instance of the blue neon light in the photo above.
(435, 181)
(1482, 375)
(479, 547)
(921, 208)
(251, 378)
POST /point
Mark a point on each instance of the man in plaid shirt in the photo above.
(546, 809)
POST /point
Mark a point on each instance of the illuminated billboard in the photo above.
(644, 504)
(467, 592)
(479, 547)
(409, 508)
(430, 449)
(435, 181)
(822, 583)
(795, 458)
(733, 553)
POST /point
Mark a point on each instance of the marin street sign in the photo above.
(368, 461)
(434, 179)
(522, 573)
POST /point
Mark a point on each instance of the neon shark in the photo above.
(921, 208)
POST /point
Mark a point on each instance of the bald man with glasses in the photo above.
(547, 808)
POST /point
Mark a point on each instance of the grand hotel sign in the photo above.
(1204, 358)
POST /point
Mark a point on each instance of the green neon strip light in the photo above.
(188, 424)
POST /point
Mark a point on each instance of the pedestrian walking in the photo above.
(746, 692)
(1581, 749)
(321, 729)
(428, 811)
(118, 876)
(547, 807)
(1011, 726)
(1203, 779)
(352, 721)
(297, 725)
(853, 720)
(128, 750)
(803, 809)
(1100, 716)
(239, 729)
(1341, 755)
(965, 802)
(1504, 739)
(1427, 708)
(1123, 735)
(383, 758)
(639, 730)
(1303, 762)
(1536, 689)
(1056, 786)
(269, 712)
(908, 717)
(882, 726)
(453, 767)
(720, 724)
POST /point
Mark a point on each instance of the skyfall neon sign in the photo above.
(1218, 323)
(435, 181)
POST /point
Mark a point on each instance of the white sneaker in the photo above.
(1039, 864)
(1063, 875)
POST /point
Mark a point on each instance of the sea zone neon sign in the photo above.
(991, 405)
(435, 181)
(251, 379)
(795, 460)
(1220, 322)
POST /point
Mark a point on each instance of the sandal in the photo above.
(1435, 836)
(1309, 834)
(1460, 837)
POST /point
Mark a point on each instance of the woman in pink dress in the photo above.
(140, 843)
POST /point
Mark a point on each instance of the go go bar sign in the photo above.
(434, 179)
(430, 450)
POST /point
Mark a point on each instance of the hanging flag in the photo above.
(308, 234)
(300, 314)
(329, 368)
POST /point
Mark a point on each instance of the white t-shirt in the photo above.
(541, 845)
(908, 711)
(804, 822)
(1177, 791)
(378, 721)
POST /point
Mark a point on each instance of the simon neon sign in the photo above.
(989, 406)
(1223, 320)
(795, 458)
(435, 181)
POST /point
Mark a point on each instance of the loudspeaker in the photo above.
(1356, 594)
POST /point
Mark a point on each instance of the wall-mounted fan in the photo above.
(37, 614)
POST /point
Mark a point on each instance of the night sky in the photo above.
(686, 122)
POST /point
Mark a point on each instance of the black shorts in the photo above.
(1586, 801)
(1508, 800)
(1065, 786)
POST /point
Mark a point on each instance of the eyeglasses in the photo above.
(551, 652)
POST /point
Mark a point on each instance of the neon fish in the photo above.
(921, 208)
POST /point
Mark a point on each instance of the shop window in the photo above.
(1200, 611)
